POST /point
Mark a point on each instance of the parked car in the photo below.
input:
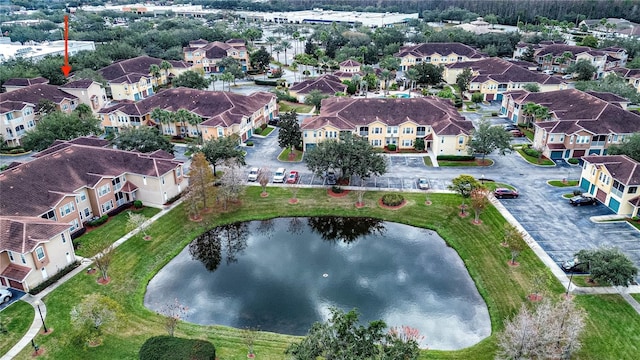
(573, 266)
(567, 76)
(583, 200)
(274, 121)
(330, 178)
(547, 72)
(5, 294)
(278, 177)
(253, 174)
(293, 177)
(423, 184)
(509, 127)
(516, 133)
(502, 193)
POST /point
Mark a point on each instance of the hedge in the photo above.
(573, 161)
(392, 199)
(43, 285)
(391, 147)
(456, 157)
(137, 204)
(531, 152)
(169, 348)
(257, 131)
(99, 221)
(249, 143)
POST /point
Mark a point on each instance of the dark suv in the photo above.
(331, 178)
(583, 200)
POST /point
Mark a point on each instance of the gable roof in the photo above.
(350, 63)
(348, 113)
(25, 82)
(326, 84)
(503, 71)
(78, 84)
(22, 234)
(34, 93)
(426, 49)
(137, 65)
(621, 167)
(33, 188)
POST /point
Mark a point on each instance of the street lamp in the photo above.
(41, 317)
(566, 295)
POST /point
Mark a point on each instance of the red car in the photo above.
(293, 177)
(516, 133)
(505, 193)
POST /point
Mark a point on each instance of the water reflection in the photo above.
(274, 278)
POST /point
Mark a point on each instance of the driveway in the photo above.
(17, 295)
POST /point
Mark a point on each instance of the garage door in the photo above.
(614, 204)
(16, 285)
(489, 97)
(578, 153)
(601, 195)
(584, 184)
(556, 155)
(309, 147)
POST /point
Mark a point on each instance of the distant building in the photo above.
(436, 54)
(348, 68)
(631, 75)
(327, 85)
(206, 55)
(37, 52)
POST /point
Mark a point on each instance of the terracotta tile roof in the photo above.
(138, 65)
(326, 84)
(559, 49)
(198, 42)
(34, 93)
(35, 187)
(349, 113)
(16, 272)
(445, 49)
(22, 234)
(25, 82)
(215, 107)
(503, 71)
(621, 167)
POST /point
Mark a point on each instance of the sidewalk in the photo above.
(84, 263)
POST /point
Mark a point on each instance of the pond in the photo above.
(282, 275)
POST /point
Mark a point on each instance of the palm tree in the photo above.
(228, 78)
(528, 110)
(285, 45)
(278, 49)
(183, 116)
(195, 120)
(166, 66)
(356, 80)
(154, 70)
(542, 113)
(294, 67)
(271, 40)
(413, 76)
(162, 116)
(386, 76)
(212, 80)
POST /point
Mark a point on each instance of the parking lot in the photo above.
(17, 295)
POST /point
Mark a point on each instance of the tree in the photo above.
(137, 221)
(260, 59)
(191, 79)
(479, 202)
(172, 313)
(550, 331)
(630, 147)
(45, 107)
(154, 70)
(514, 240)
(477, 98)
(589, 41)
(529, 54)
(285, 46)
(228, 78)
(218, 150)
(59, 126)
(314, 98)
(92, 315)
(231, 183)
(200, 178)
(463, 80)
(464, 185)
(532, 87)
(290, 135)
(608, 265)
(103, 258)
(585, 70)
(232, 66)
(487, 138)
(144, 139)
(612, 83)
(342, 338)
(264, 175)
(165, 66)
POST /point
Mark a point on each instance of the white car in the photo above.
(567, 76)
(253, 174)
(5, 295)
(548, 72)
(278, 177)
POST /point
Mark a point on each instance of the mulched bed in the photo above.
(293, 201)
(404, 202)
(337, 195)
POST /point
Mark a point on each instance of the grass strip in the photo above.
(284, 155)
(560, 183)
(16, 319)
(534, 160)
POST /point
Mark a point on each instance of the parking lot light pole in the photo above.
(41, 317)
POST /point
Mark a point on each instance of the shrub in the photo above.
(336, 189)
(577, 192)
(573, 161)
(531, 152)
(456, 157)
(168, 348)
(16, 151)
(173, 199)
(392, 199)
(249, 143)
(281, 95)
(99, 221)
(419, 144)
(119, 209)
(54, 278)
(494, 114)
(257, 131)
(263, 126)
(137, 204)
(391, 147)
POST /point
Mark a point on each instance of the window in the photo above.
(51, 214)
(10, 255)
(376, 142)
(407, 130)
(633, 189)
(163, 180)
(144, 180)
(64, 239)
(178, 171)
(460, 140)
(571, 140)
(392, 130)
(81, 197)
(377, 130)
(427, 59)
(459, 58)
(407, 142)
(66, 209)
(74, 225)
(103, 190)
(23, 259)
(87, 213)
(220, 132)
(107, 206)
(40, 253)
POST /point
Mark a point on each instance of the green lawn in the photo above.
(286, 106)
(110, 231)
(487, 162)
(504, 288)
(284, 155)
(560, 183)
(581, 281)
(16, 318)
(527, 132)
(534, 160)
(568, 195)
(427, 161)
(636, 296)
(267, 131)
(492, 185)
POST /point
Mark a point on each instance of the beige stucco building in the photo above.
(614, 181)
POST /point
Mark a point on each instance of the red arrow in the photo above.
(66, 68)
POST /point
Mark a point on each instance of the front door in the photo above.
(68, 258)
(45, 276)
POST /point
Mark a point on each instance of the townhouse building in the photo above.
(436, 54)
(494, 76)
(557, 57)
(19, 83)
(132, 79)
(614, 180)
(383, 122)
(579, 123)
(327, 84)
(348, 68)
(632, 76)
(206, 55)
(222, 113)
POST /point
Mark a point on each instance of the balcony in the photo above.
(598, 143)
(421, 133)
(20, 132)
(364, 133)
